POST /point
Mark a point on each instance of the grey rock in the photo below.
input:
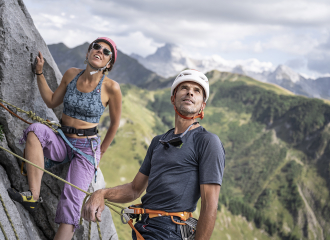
(24, 225)
(19, 46)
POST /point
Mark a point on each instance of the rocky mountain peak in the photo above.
(283, 72)
(167, 53)
(239, 69)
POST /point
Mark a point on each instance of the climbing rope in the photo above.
(106, 202)
(31, 115)
(12, 225)
(49, 124)
(89, 230)
(90, 223)
(3, 231)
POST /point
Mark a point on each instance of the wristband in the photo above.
(39, 73)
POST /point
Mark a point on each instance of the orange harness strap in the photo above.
(138, 235)
(158, 213)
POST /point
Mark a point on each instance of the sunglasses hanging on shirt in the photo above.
(176, 141)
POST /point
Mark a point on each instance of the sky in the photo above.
(291, 32)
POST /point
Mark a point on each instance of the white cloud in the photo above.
(299, 44)
(291, 28)
(319, 58)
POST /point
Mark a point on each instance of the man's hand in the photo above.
(120, 194)
(94, 206)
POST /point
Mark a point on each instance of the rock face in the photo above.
(19, 45)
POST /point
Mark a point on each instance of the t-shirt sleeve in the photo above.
(211, 160)
(146, 165)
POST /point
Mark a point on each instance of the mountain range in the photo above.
(169, 60)
(158, 70)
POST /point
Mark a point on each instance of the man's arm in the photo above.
(120, 194)
(208, 213)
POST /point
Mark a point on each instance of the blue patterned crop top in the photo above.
(84, 106)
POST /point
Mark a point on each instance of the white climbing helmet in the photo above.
(192, 75)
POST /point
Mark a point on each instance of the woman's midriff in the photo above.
(76, 123)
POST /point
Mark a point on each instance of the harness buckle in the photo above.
(127, 210)
(80, 132)
(124, 216)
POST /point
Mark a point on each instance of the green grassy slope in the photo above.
(276, 183)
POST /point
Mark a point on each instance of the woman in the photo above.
(85, 94)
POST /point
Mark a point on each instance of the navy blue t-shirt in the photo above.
(175, 173)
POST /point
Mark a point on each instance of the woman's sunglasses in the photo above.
(106, 51)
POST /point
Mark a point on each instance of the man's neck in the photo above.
(182, 124)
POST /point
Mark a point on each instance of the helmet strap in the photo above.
(97, 69)
(200, 114)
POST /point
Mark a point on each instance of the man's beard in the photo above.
(186, 110)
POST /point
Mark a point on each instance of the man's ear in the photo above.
(203, 106)
(173, 99)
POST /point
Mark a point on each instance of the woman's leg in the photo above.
(41, 141)
(64, 232)
(34, 153)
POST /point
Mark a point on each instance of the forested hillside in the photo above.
(276, 183)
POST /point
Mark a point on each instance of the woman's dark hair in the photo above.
(112, 50)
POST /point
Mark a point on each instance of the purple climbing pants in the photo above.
(80, 173)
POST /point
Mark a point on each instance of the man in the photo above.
(180, 166)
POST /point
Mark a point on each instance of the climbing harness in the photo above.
(187, 224)
(79, 132)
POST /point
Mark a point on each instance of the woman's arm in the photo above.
(115, 113)
(52, 99)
